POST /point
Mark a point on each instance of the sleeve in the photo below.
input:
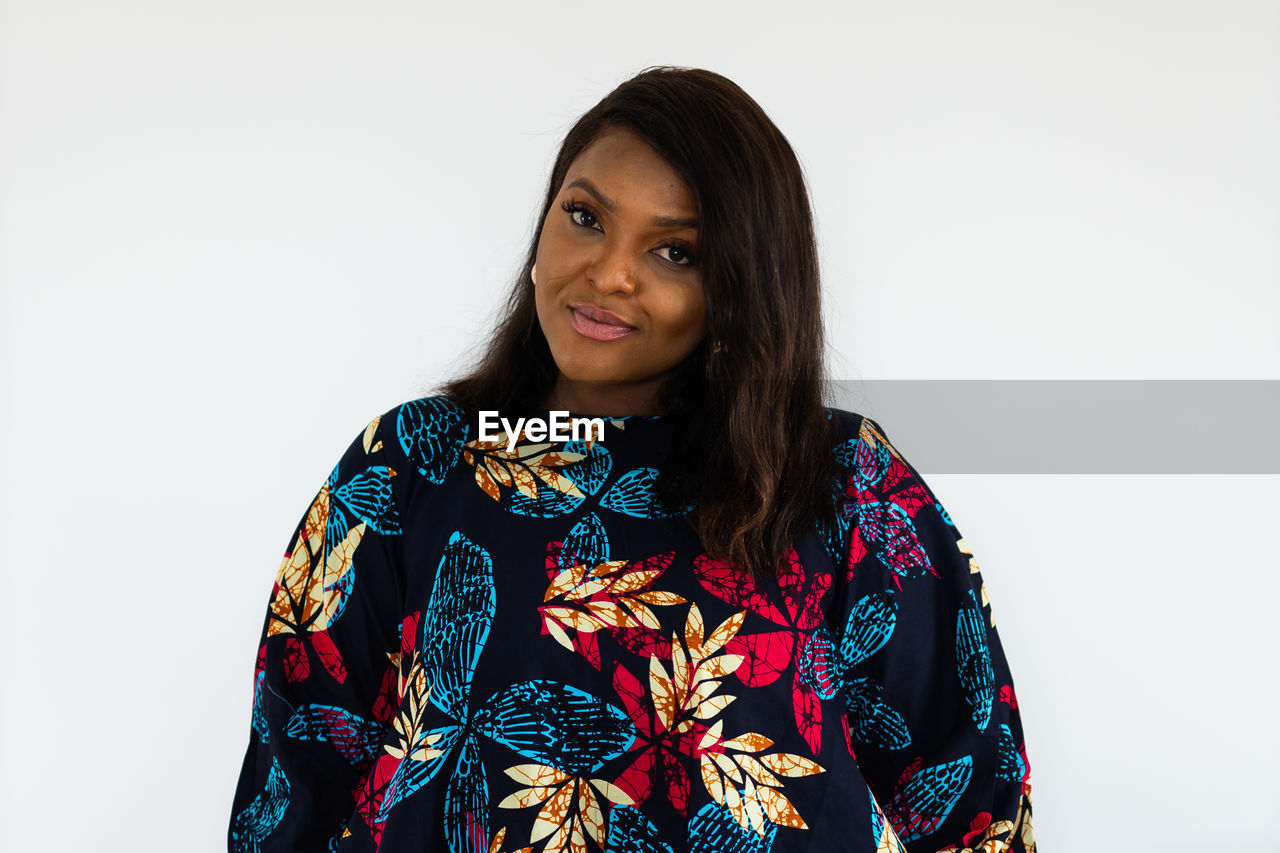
(933, 718)
(325, 682)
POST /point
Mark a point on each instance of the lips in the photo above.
(597, 323)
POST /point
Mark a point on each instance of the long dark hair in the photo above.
(752, 441)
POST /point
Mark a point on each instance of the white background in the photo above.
(232, 232)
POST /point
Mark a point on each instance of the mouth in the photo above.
(597, 323)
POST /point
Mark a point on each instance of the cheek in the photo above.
(556, 246)
(684, 316)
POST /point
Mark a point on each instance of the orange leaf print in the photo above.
(571, 810)
(634, 580)
(553, 814)
(307, 593)
(693, 628)
(747, 783)
(664, 697)
(607, 596)
(727, 630)
(749, 742)
(522, 468)
(609, 614)
(755, 769)
(778, 807)
(874, 437)
(658, 598)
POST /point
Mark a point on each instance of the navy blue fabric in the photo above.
(469, 648)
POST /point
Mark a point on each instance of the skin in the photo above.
(624, 262)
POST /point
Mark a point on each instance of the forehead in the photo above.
(627, 168)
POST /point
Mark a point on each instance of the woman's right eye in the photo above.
(572, 208)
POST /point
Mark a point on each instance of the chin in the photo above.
(578, 373)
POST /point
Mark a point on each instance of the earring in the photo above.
(718, 346)
(533, 270)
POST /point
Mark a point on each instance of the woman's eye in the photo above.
(573, 209)
(680, 256)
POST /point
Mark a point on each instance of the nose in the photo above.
(613, 270)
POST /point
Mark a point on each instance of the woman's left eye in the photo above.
(689, 258)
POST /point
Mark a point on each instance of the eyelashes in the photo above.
(575, 207)
(572, 207)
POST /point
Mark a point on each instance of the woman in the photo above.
(735, 620)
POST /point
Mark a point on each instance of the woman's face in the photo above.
(622, 238)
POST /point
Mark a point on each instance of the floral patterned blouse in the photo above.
(476, 648)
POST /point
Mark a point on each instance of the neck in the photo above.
(608, 399)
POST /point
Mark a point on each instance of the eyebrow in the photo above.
(611, 206)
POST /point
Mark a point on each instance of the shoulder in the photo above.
(900, 518)
(853, 434)
(861, 434)
(859, 427)
(873, 469)
(425, 433)
(848, 422)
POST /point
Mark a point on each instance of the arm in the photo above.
(933, 718)
(325, 681)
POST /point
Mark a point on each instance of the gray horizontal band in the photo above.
(1063, 426)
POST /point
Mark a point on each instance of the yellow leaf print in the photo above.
(307, 594)
(607, 596)
(711, 781)
(664, 695)
(613, 793)
(724, 633)
(680, 670)
(592, 817)
(609, 614)
(413, 741)
(557, 633)
(722, 665)
(571, 810)
(712, 706)
(369, 432)
(553, 814)
(679, 697)
(733, 771)
(337, 564)
(537, 775)
(578, 620)
(748, 784)
(520, 468)
(778, 807)
(964, 549)
(621, 583)
(787, 764)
